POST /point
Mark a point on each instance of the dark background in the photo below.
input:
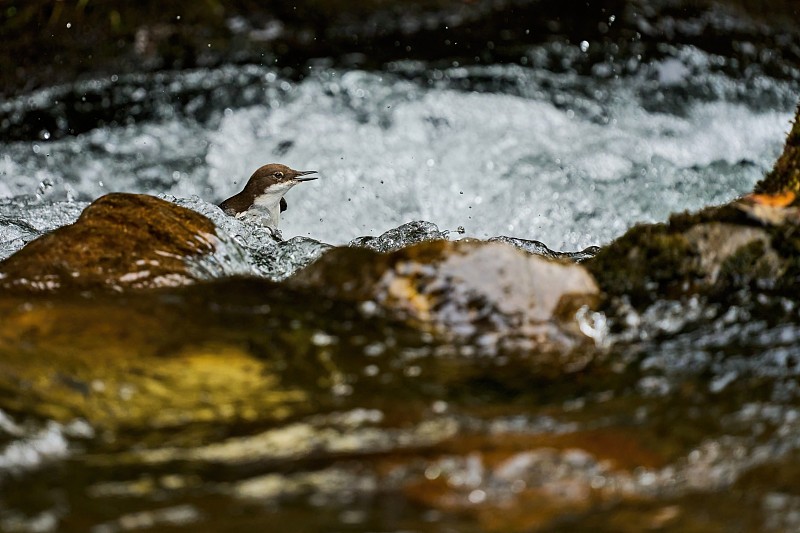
(51, 42)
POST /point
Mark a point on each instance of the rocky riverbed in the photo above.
(164, 366)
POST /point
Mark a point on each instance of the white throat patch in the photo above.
(270, 201)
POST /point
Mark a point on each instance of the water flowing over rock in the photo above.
(539, 248)
(125, 241)
(405, 235)
(403, 382)
(24, 219)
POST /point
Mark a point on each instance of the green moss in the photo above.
(723, 213)
(749, 265)
(649, 262)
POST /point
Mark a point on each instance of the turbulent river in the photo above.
(691, 407)
(562, 158)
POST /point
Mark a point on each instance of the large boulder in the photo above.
(125, 241)
(489, 292)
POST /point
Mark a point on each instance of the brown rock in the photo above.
(466, 289)
(119, 241)
(716, 243)
(714, 253)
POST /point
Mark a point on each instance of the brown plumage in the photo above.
(264, 191)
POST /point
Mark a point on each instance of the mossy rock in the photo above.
(712, 253)
(466, 289)
(785, 175)
(124, 241)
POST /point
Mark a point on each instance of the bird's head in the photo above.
(277, 178)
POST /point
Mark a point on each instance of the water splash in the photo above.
(565, 159)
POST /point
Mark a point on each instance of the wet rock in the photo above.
(125, 241)
(718, 245)
(165, 358)
(465, 289)
(708, 253)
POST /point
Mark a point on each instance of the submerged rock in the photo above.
(488, 292)
(125, 241)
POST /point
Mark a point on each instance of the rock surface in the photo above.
(125, 241)
(465, 289)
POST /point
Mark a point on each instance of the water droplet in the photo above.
(432, 472)
(44, 185)
(477, 496)
(322, 339)
(342, 389)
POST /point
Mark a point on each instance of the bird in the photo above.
(263, 194)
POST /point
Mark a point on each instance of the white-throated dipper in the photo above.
(264, 192)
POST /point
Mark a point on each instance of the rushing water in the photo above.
(566, 159)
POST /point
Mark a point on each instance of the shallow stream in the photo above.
(692, 409)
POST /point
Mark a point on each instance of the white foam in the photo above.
(547, 162)
(495, 163)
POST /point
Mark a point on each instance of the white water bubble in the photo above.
(571, 168)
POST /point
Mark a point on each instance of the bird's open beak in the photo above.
(304, 173)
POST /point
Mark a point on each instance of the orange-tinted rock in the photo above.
(120, 241)
(466, 288)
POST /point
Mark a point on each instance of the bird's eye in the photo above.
(278, 175)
